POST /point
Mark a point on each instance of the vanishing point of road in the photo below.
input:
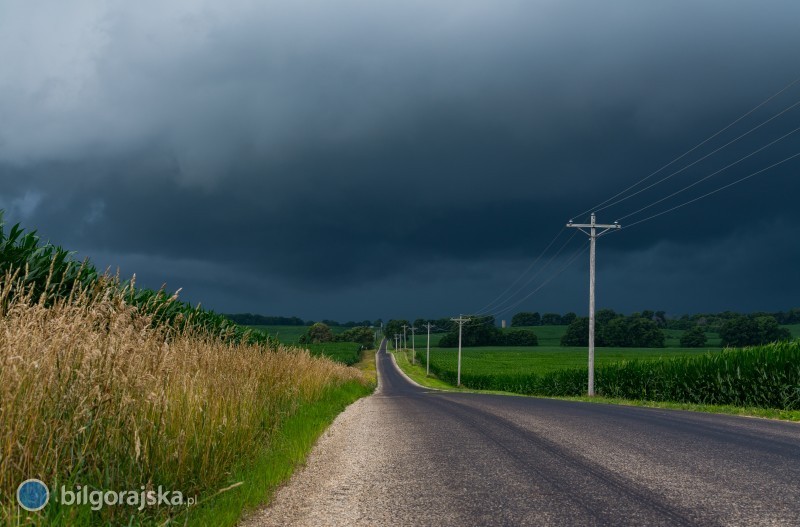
(413, 456)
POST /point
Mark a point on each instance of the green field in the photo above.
(762, 376)
(542, 359)
(291, 334)
(346, 352)
(550, 356)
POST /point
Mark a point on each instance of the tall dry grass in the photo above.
(91, 393)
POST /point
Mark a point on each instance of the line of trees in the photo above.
(250, 319)
(319, 332)
(482, 331)
(527, 318)
(613, 329)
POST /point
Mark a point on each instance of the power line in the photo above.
(713, 191)
(765, 101)
(648, 187)
(751, 154)
(550, 279)
(532, 278)
(490, 305)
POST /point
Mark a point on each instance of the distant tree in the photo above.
(632, 332)
(569, 318)
(577, 333)
(479, 331)
(363, 335)
(249, 319)
(551, 319)
(770, 331)
(741, 331)
(394, 327)
(604, 316)
(518, 337)
(319, 332)
(526, 319)
(615, 330)
(693, 338)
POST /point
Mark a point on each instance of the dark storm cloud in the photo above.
(309, 159)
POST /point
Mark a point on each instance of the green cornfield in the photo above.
(51, 274)
(765, 376)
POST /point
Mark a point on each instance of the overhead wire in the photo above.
(490, 305)
(713, 191)
(693, 163)
(709, 138)
(691, 185)
(532, 278)
(552, 277)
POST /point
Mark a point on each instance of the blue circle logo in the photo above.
(33, 495)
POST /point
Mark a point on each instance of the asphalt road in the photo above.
(437, 458)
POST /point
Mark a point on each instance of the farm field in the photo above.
(291, 334)
(345, 352)
(550, 356)
(542, 359)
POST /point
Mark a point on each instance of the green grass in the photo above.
(345, 352)
(543, 359)
(762, 376)
(417, 373)
(276, 461)
(291, 334)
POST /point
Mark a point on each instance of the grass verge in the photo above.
(417, 373)
(277, 460)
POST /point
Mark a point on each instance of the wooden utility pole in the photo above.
(405, 342)
(593, 235)
(428, 353)
(460, 321)
(413, 349)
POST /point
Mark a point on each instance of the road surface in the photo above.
(413, 456)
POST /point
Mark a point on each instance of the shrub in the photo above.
(747, 331)
(694, 338)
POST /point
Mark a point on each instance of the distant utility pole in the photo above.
(593, 235)
(396, 339)
(428, 353)
(413, 349)
(405, 342)
(460, 321)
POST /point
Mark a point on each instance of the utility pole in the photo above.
(593, 235)
(413, 349)
(396, 339)
(460, 321)
(428, 353)
(405, 342)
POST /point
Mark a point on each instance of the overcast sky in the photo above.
(361, 159)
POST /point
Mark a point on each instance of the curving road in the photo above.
(412, 456)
